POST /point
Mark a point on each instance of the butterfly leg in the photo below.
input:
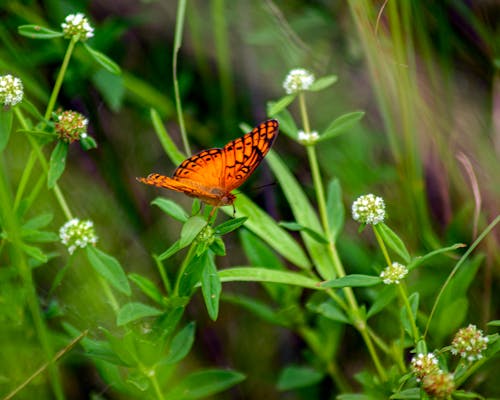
(212, 213)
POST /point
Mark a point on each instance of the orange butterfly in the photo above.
(212, 174)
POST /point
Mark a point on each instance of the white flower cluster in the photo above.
(368, 209)
(76, 233)
(394, 273)
(424, 364)
(469, 343)
(11, 90)
(307, 138)
(297, 80)
(77, 24)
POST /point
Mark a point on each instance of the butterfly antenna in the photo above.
(254, 189)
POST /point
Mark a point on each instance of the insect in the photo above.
(212, 174)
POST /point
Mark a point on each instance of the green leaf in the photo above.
(34, 252)
(386, 296)
(131, 312)
(218, 247)
(323, 83)
(211, 288)
(175, 155)
(304, 214)
(230, 225)
(181, 345)
(393, 241)
(254, 274)
(462, 394)
(32, 110)
(273, 108)
(57, 163)
(341, 125)
(258, 308)
(293, 226)
(35, 236)
(335, 208)
(329, 310)
(287, 124)
(260, 223)
(174, 248)
(192, 274)
(190, 230)
(413, 393)
(420, 260)
(171, 208)
(294, 377)
(6, 117)
(109, 268)
(494, 323)
(147, 287)
(106, 62)
(40, 221)
(38, 32)
(451, 316)
(354, 280)
(205, 383)
(111, 88)
(88, 143)
(123, 347)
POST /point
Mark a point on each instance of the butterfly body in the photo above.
(212, 174)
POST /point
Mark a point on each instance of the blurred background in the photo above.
(425, 72)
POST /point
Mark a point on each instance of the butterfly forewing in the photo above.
(205, 167)
(243, 155)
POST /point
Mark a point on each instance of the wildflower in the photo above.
(308, 138)
(394, 273)
(439, 384)
(297, 80)
(11, 90)
(77, 25)
(423, 365)
(469, 343)
(368, 209)
(76, 233)
(71, 126)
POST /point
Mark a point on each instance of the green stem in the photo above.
(382, 245)
(12, 228)
(402, 292)
(24, 178)
(156, 386)
(60, 77)
(357, 320)
(163, 274)
(179, 24)
(404, 297)
(36, 148)
(185, 263)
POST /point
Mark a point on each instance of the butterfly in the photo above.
(212, 174)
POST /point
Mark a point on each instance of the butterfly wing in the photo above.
(212, 174)
(190, 188)
(241, 156)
